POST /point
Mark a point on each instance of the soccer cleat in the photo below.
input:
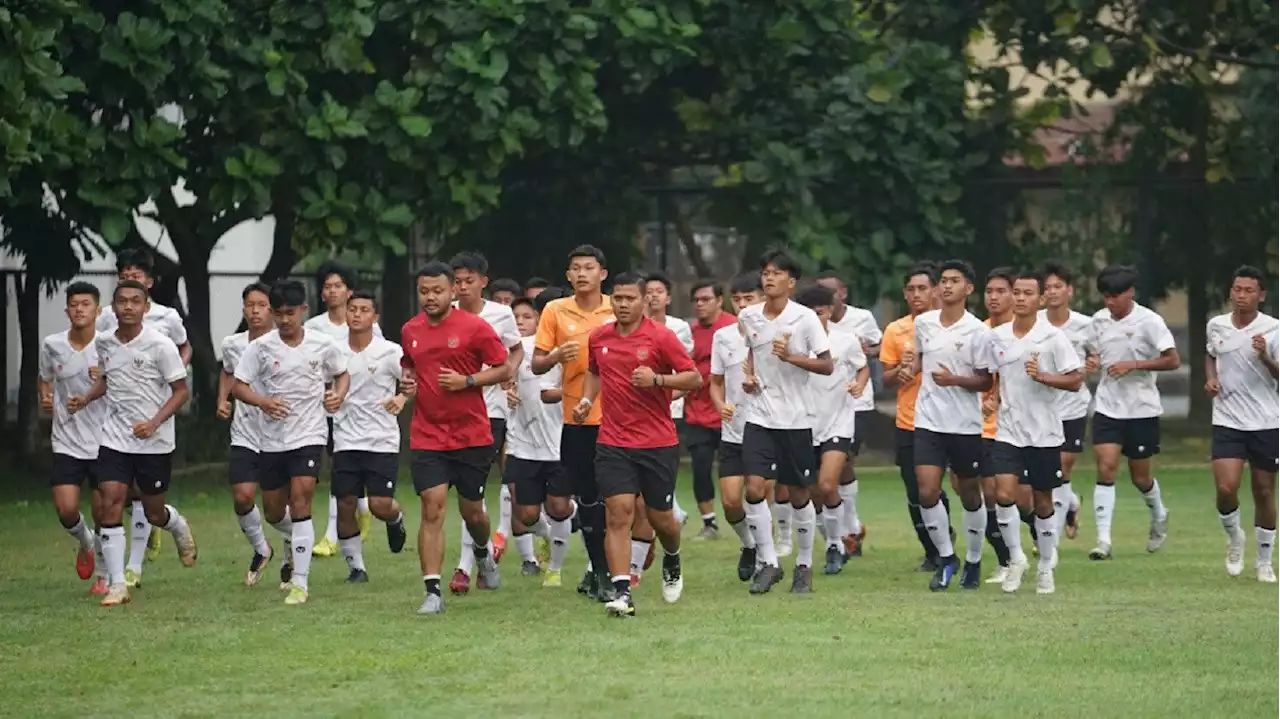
(942, 576)
(784, 549)
(84, 562)
(971, 575)
(551, 579)
(802, 580)
(1159, 530)
(132, 579)
(542, 550)
(186, 544)
(117, 594)
(928, 564)
(766, 576)
(835, 561)
(286, 576)
(530, 569)
(324, 548)
(460, 583)
(256, 565)
(487, 576)
(365, 520)
(587, 587)
(1017, 567)
(396, 536)
(672, 585)
(853, 543)
(708, 532)
(1073, 524)
(1100, 552)
(297, 595)
(154, 541)
(432, 604)
(620, 607)
(499, 546)
(998, 576)
(1044, 581)
(605, 591)
(358, 576)
(1266, 574)
(746, 564)
(99, 586)
(1235, 554)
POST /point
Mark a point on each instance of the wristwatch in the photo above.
(471, 380)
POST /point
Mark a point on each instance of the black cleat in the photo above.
(358, 576)
(286, 574)
(971, 575)
(605, 591)
(588, 586)
(746, 564)
(766, 576)
(930, 564)
(802, 581)
(574, 524)
(835, 562)
(943, 575)
(396, 536)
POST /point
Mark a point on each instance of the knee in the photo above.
(558, 508)
(242, 497)
(382, 507)
(68, 515)
(157, 516)
(526, 514)
(472, 513)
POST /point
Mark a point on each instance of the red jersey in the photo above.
(463, 342)
(635, 417)
(698, 409)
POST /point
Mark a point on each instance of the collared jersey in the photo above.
(246, 420)
(636, 417)
(684, 333)
(1074, 405)
(67, 369)
(783, 398)
(862, 324)
(362, 424)
(899, 339)
(446, 420)
(562, 321)
(1028, 414)
(533, 427)
(1247, 400)
(159, 317)
(1139, 335)
(297, 375)
(949, 410)
(139, 374)
(728, 360)
(833, 404)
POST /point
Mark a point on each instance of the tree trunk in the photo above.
(1194, 231)
(29, 371)
(4, 336)
(203, 379)
(676, 214)
(397, 294)
(283, 257)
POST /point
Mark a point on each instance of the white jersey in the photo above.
(339, 333)
(296, 375)
(728, 360)
(503, 321)
(783, 398)
(246, 420)
(1247, 400)
(533, 427)
(1140, 335)
(1074, 405)
(949, 410)
(362, 424)
(159, 317)
(830, 395)
(684, 333)
(138, 374)
(862, 324)
(1029, 415)
(67, 369)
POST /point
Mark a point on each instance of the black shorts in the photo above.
(1138, 438)
(244, 466)
(986, 465)
(1073, 434)
(729, 460)
(693, 435)
(463, 469)
(536, 480)
(782, 454)
(961, 452)
(1038, 467)
(497, 427)
(862, 420)
(1260, 448)
(578, 458)
(150, 473)
(356, 472)
(835, 444)
(650, 473)
(68, 470)
(904, 447)
(277, 469)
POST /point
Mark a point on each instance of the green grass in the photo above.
(1143, 635)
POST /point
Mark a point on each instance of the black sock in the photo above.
(922, 534)
(481, 551)
(622, 587)
(996, 539)
(433, 585)
(709, 522)
(671, 563)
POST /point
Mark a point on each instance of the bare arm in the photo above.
(1167, 361)
(184, 351)
(46, 395)
(687, 381)
(515, 355)
(1211, 371)
(1069, 382)
(1270, 363)
(491, 376)
(979, 382)
(98, 390)
(178, 397)
(716, 392)
(551, 396)
(822, 364)
(542, 361)
(341, 384)
(243, 392)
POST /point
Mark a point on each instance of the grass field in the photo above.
(1143, 635)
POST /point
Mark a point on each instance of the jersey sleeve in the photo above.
(685, 334)
(250, 363)
(170, 362)
(815, 338)
(979, 353)
(508, 331)
(229, 358)
(106, 322)
(891, 348)
(393, 361)
(548, 330)
(717, 355)
(855, 356)
(870, 331)
(48, 369)
(674, 352)
(175, 329)
(377, 331)
(593, 366)
(1273, 343)
(1209, 347)
(335, 360)
(1159, 334)
(551, 379)
(487, 346)
(1065, 358)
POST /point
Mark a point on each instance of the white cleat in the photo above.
(432, 604)
(1159, 530)
(784, 549)
(1017, 568)
(1266, 573)
(999, 576)
(1100, 552)
(1044, 581)
(1235, 554)
(672, 588)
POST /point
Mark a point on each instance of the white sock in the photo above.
(782, 514)
(1231, 523)
(353, 552)
(285, 528)
(1104, 505)
(760, 524)
(251, 525)
(559, 532)
(831, 524)
(803, 526)
(362, 505)
(331, 531)
(1266, 539)
(1061, 504)
(639, 552)
(1152, 498)
(818, 514)
(304, 539)
(113, 554)
(504, 511)
(975, 534)
(1075, 501)
(938, 525)
(850, 524)
(467, 560)
(177, 524)
(743, 531)
(139, 533)
(81, 533)
(1047, 539)
(1010, 522)
(681, 515)
(543, 527)
(524, 545)
(99, 560)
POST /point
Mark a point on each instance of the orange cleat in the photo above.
(499, 546)
(84, 563)
(461, 582)
(99, 586)
(853, 543)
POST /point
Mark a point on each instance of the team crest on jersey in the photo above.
(642, 354)
(138, 362)
(453, 343)
(1128, 335)
(315, 365)
(959, 346)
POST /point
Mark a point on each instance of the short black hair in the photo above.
(587, 251)
(130, 285)
(255, 287)
(287, 293)
(705, 282)
(364, 295)
(436, 268)
(1059, 269)
(84, 288)
(504, 284)
(964, 268)
(1036, 275)
(927, 269)
(658, 276)
(548, 295)
(137, 258)
(522, 301)
(816, 295)
(536, 283)
(630, 278)
(1116, 279)
(779, 258)
(832, 275)
(1252, 273)
(471, 261)
(744, 283)
(333, 267)
(1008, 274)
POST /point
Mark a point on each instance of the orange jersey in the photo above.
(563, 320)
(899, 338)
(990, 398)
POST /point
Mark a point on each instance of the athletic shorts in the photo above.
(835, 444)
(1073, 434)
(151, 473)
(729, 459)
(904, 447)
(693, 435)
(782, 454)
(243, 466)
(1138, 438)
(536, 480)
(961, 452)
(578, 459)
(650, 473)
(986, 465)
(463, 469)
(498, 427)
(1037, 467)
(1260, 448)
(862, 420)
(68, 470)
(356, 473)
(277, 469)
